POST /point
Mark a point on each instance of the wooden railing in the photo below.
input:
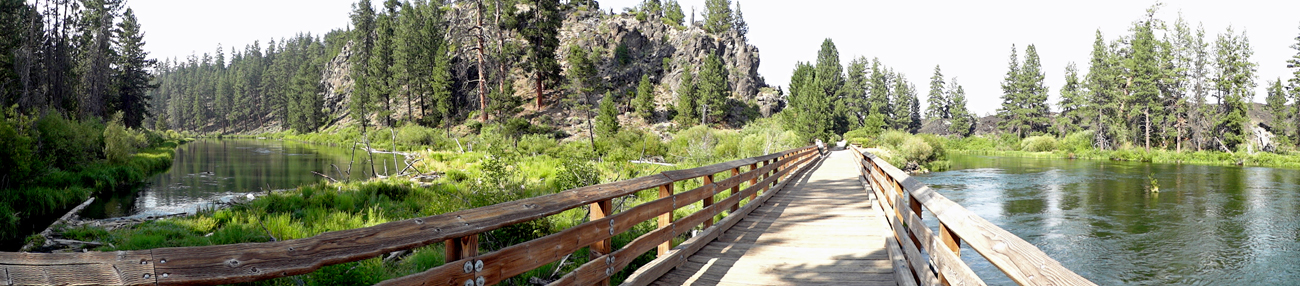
(1021, 261)
(223, 264)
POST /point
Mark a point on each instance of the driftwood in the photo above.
(46, 233)
(326, 176)
(651, 163)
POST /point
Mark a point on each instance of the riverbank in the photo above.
(1209, 158)
(31, 207)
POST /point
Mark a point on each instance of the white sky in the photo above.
(969, 39)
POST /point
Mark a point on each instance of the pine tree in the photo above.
(133, 63)
(963, 122)
(742, 28)
(96, 57)
(714, 89)
(363, 39)
(1143, 67)
(1294, 86)
(380, 63)
(673, 14)
(1034, 102)
(903, 101)
(830, 86)
(810, 108)
(607, 120)
(540, 28)
(1074, 102)
(717, 16)
(854, 99)
(938, 103)
(1010, 112)
(687, 107)
(1276, 105)
(1234, 86)
(878, 98)
(645, 98)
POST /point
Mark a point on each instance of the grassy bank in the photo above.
(503, 166)
(1079, 146)
(53, 163)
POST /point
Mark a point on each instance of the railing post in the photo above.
(708, 201)
(949, 238)
(600, 210)
(461, 248)
(666, 219)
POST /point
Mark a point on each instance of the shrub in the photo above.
(120, 143)
(916, 149)
(17, 154)
(1038, 144)
(893, 138)
(1076, 142)
(66, 143)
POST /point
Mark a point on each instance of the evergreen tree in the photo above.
(963, 122)
(687, 107)
(810, 108)
(673, 14)
(540, 27)
(1143, 67)
(1024, 97)
(713, 89)
(1234, 87)
(380, 63)
(854, 99)
(938, 103)
(133, 63)
(717, 16)
(1294, 86)
(645, 98)
(97, 56)
(652, 7)
(363, 39)
(742, 28)
(1103, 83)
(1276, 105)
(1073, 104)
(903, 100)
(607, 120)
(830, 86)
(878, 98)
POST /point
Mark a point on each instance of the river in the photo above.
(1207, 225)
(218, 170)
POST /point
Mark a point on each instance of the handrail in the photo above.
(1023, 262)
(247, 262)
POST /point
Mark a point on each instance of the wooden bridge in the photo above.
(790, 218)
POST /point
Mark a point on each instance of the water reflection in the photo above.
(211, 170)
(1206, 226)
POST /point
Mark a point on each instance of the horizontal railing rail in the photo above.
(247, 262)
(902, 198)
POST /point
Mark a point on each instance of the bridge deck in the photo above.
(822, 229)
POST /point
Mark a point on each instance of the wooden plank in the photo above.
(902, 273)
(88, 268)
(708, 201)
(1021, 261)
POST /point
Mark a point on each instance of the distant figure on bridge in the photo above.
(821, 147)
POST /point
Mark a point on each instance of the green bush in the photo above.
(17, 151)
(119, 142)
(1077, 142)
(915, 149)
(66, 143)
(1038, 144)
(893, 138)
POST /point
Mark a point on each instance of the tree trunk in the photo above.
(1146, 115)
(539, 90)
(482, 85)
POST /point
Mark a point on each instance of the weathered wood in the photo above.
(666, 219)
(88, 268)
(1019, 260)
(708, 201)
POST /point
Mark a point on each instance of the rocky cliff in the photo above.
(651, 46)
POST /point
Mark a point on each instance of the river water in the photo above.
(211, 170)
(1207, 225)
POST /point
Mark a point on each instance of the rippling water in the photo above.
(1206, 226)
(210, 170)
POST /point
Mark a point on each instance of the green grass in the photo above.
(1078, 146)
